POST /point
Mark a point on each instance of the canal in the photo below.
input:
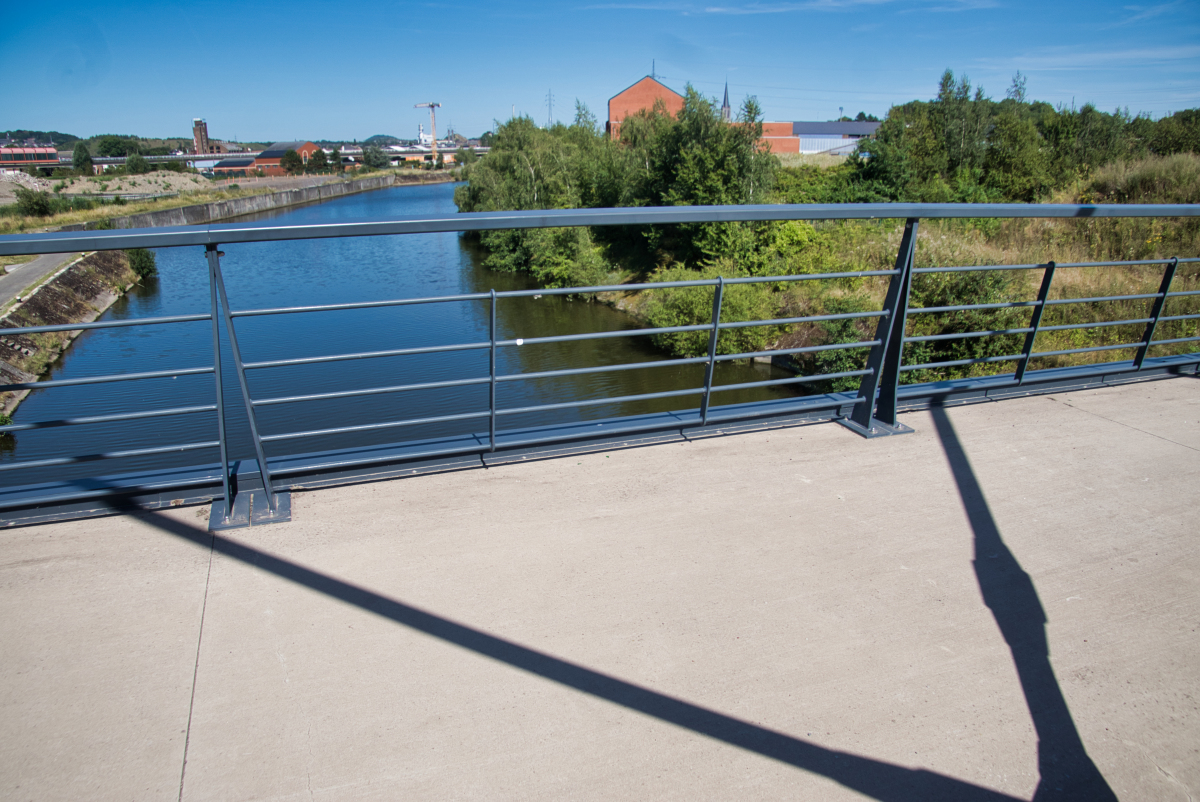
(330, 271)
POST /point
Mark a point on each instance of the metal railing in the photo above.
(871, 411)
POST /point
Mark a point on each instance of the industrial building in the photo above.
(835, 138)
(266, 162)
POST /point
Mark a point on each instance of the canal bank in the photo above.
(203, 213)
(78, 293)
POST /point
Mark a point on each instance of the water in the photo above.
(306, 272)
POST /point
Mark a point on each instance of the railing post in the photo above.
(1035, 321)
(1156, 312)
(869, 418)
(223, 514)
(279, 506)
(492, 370)
(709, 368)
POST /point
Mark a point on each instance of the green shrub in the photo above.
(690, 306)
(142, 262)
(34, 204)
(137, 165)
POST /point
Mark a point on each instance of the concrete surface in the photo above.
(20, 278)
(798, 613)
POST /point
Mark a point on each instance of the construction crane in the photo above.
(432, 124)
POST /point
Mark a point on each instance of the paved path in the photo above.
(21, 277)
(1006, 601)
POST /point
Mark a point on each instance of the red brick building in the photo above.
(641, 95)
(267, 162)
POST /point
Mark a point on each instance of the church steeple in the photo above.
(726, 114)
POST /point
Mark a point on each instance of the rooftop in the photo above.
(785, 613)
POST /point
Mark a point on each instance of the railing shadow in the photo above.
(875, 778)
(1066, 771)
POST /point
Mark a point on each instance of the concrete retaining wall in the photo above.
(221, 210)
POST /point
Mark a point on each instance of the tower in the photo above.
(726, 112)
(200, 136)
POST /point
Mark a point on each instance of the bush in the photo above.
(691, 306)
(137, 165)
(142, 262)
(34, 204)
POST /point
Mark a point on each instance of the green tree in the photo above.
(335, 160)
(137, 164)
(375, 158)
(291, 162)
(1017, 163)
(81, 158)
(113, 146)
(318, 162)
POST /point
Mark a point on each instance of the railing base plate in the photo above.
(877, 428)
(249, 509)
(238, 517)
(261, 514)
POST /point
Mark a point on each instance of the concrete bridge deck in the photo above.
(1002, 604)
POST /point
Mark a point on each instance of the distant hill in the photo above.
(61, 140)
(382, 140)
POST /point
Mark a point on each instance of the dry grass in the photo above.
(814, 159)
(15, 225)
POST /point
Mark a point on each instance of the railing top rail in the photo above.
(230, 233)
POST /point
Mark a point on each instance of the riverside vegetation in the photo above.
(959, 147)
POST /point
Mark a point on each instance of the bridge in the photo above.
(998, 604)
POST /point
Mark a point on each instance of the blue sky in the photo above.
(311, 70)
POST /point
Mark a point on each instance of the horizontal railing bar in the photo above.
(792, 380)
(809, 319)
(1140, 297)
(1085, 350)
(1134, 262)
(809, 276)
(604, 335)
(156, 413)
(968, 307)
(808, 349)
(549, 374)
(156, 374)
(368, 427)
(1176, 340)
(1182, 293)
(966, 335)
(1165, 318)
(231, 233)
(1103, 324)
(266, 402)
(287, 310)
(960, 362)
(409, 455)
(137, 452)
(972, 268)
(105, 324)
(315, 360)
(591, 402)
(665, 285)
